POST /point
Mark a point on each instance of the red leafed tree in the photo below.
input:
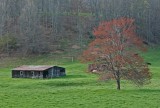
(116, 46)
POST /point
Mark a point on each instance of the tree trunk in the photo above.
(118, 80)
(118, 84)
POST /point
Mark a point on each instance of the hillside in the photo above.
(78, 89)
(47, 26)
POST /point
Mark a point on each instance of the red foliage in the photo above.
(115, 45)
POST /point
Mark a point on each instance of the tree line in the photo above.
(42, 26)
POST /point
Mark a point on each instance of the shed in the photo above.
(96, 68)
(42, 71)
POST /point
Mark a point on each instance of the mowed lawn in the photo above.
(78, 89)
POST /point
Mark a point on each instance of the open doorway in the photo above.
(45, 74)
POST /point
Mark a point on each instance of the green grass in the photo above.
(78, 89)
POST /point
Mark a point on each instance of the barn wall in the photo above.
(62, 72)
(15, 74)
(37, 74)
(56, 72)
(27, 74)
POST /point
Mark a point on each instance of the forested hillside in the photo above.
(42, 26)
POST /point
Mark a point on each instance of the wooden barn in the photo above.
(38, 72)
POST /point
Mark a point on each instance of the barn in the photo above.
(38, 72)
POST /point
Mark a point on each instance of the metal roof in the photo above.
(33, 68)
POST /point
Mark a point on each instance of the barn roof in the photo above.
(33, 68)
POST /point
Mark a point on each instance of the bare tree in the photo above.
(40, 26)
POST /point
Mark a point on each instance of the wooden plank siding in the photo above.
(55, 71)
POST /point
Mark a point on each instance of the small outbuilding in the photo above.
(38, 72)
(96, 68)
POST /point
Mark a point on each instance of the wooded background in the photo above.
(46, 26)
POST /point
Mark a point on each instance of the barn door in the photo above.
(45, 74)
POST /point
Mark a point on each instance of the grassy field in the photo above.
(78, 89)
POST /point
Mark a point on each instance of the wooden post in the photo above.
(33, 74)
(72, 58)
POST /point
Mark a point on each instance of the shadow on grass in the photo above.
(144, 90)
(70, 80)
(73, 76)
(149, 90)
(52, 84)
(67, 84)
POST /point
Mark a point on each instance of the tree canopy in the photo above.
(116, 46)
